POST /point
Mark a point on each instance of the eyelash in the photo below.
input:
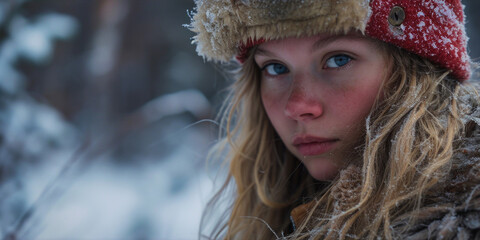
(350, 58)
(339, 68)
(264, 69)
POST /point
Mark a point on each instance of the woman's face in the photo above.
(317, 92)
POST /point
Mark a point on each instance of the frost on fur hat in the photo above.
(433, 29)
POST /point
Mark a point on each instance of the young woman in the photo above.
(348, 119)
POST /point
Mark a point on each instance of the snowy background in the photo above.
(104, 110)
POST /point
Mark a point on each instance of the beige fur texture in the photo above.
(222, 25)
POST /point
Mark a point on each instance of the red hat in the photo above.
(433, 29)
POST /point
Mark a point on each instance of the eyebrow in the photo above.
(325, 41)
(328, 40)
(262, 52)
(318, 44)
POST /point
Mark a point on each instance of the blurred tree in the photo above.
(29, 130)
(114, 75)
(126, 53)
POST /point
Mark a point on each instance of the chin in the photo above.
(322, 170)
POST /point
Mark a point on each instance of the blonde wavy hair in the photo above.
(410, 137)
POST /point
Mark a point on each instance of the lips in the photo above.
(311, 146)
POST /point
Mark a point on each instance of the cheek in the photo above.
(272, 97)
(357, 103)
(271, 103)
(363, 101)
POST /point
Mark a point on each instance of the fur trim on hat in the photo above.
(223, 25)
(433, 29)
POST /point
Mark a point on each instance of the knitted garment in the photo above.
(433, 29)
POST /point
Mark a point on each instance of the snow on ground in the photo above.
(157, 199)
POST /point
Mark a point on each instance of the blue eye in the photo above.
(275, 69)
(338, 61)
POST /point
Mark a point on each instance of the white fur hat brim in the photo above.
(222, 25)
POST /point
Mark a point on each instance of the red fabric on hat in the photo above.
(433, 29)
(245, 47)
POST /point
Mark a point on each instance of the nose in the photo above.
(303, 104)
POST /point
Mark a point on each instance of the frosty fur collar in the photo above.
(454, 209)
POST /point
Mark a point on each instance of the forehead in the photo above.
(313, 43)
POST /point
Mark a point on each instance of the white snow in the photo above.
(163, 199)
